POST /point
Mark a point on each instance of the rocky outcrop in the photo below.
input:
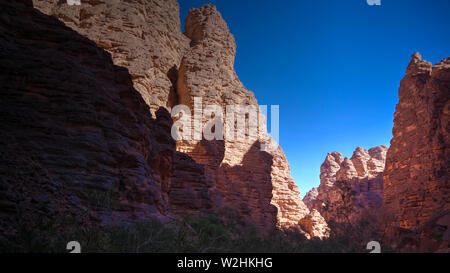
(77, 140)
(315, 225)
(256, 182)
(407, 188)
(87, 105)
(416, 177)
(143, 36)
(349, 187)
(310, 196)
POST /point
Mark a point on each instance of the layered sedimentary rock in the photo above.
(89, 110)
(349, 187)
(143, 36)
(315, 225)
(410, 195)
(416, 178)
(310, 197)
(77, 140)
(256, 182)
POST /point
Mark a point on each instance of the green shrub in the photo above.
(195, 234)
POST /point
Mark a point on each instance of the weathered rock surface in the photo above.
(310, 197)
(349, 187)
(85, 130)
(143, 36)
(416, 178)
(409, 195)
(257, 183)
(77, 140)
(315, 225)
(87, 104)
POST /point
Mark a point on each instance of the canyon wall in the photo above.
(76, 138)
(143, 36)
(254, 180)
(416, 177)
(403, 190)
(349, 187)
(85, 131)
(89, 111)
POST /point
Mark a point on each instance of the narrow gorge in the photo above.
(85, 133)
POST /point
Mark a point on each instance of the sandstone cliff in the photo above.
(349, 187)
(310, 197)
(85, 131)
(90, 111)
(416, 178)
(76, 137)
(256, 182)
(408, 197)
(143, 36)
(315, 225)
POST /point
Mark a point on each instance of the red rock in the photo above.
(88, 103)
(73, 129)
(349, 188)
(315, 225)
(256, 183)
(416, 178)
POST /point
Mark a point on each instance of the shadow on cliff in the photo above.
(79, 146)
(249, 188)
(78, 143)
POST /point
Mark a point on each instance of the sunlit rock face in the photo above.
(257, 183)
(406, 187)
(310, 197)
(315, 225)
(416, 178)
(143, 36)
(101, 126)
(349, 187)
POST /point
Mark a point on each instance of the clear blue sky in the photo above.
(334, 67)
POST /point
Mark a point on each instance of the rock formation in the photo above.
(86, 110)
(85, 131)
(143, 36)
(310, 196)
(416, 178)
(256, 182)
(411, 194)
(315, 225)
(349, 187)
(76, 137)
